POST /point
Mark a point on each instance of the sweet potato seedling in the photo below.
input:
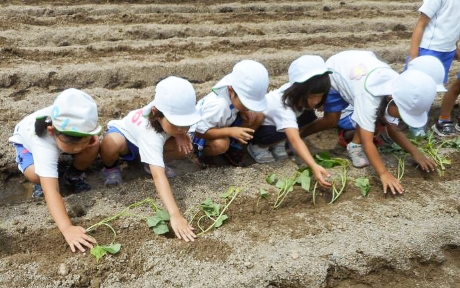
(286, 185)
(431, 149)
(324, 159)
(363, 184)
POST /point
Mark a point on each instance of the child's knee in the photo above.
(218, 146)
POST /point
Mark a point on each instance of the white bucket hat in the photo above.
(249, 79)
(413, 93)
(431, 66)
(305, 67)
(176, 99)
(75, 113)
(379, 82)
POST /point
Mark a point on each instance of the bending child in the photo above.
(69, 126)
(155, 131)
(290, 107)
(380, 97)
(231, 113)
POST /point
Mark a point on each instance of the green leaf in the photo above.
(112, 249)
(98, 252)
(280, 183)
(305, 180)
(162, 214)
(153, 221)
(161, 228)
(228, 193)
(271, 179)
(210, 208)
(220, 220)
(263, 193)
(363, 184)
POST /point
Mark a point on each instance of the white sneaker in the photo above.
(357, 155)
(417, 131)
(260, 155)
(279, 151)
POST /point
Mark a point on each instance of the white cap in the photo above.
(379, 82)
(413, 93)
(305, 67)
(176, 99)
(75, 113)
(249, 79)
(431, 66)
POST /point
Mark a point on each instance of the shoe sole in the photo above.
(457, 127)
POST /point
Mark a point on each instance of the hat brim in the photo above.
(416, 121)
(184, 120)
(440, 88)
(312, 74)
(257, 106)
(96, 131)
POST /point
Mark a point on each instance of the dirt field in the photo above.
(117, 51)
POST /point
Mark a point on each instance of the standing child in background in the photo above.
(445, 126)
(231, 113)
(379, 96)
(435, 33)
(290, 107)
(147, 132)
(70, 126)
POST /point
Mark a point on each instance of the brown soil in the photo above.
(117, 51)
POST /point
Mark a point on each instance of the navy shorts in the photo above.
(133, 149)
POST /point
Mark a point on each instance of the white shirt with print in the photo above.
(443, 30)
(350, 69)
(138, 131)
(44, 149)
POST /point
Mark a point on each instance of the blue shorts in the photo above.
(346, 123)
(133, 149)
(23, 157)
(445, 57)
(334, 102)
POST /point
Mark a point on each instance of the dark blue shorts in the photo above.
(133, 149)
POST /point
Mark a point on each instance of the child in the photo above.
(379, 96)
(445, 126)
(231, 113)
(69, 126)
(290, 107)
(435, 33)
(147, 132)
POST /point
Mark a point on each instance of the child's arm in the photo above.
(388, 180)
(301, 149)
(179, 224)
(74, 235)
(400, 138)
(417, 34)
(328, 121)
(242, 134)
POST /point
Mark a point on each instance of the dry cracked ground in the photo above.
(117, 51)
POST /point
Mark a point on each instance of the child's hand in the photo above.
(320, 173)
(242, 134)
(184, 143)
(390, 182)
(76, 237)
(182, 228)
(425, 163)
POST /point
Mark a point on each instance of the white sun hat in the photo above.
(379, 81)
(249, 79)
(433, 67)
(305, 67)
(176, 99)
(75, 113)
(414, 93)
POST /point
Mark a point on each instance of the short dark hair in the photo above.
(42, 124)
(296, 96)
(153, 121)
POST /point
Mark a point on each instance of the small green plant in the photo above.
(431, 148)
(324, 159)
(286, 185)
(157, 222)
(211, 213)
(401, 164)
(363, 184)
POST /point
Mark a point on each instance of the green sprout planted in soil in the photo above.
(324, 159)
(431, 148)
(157, 222)
(210, 215)
(363, 184)
(286, 185)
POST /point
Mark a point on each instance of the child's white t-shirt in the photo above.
(138, 131)
(443, 30)
(44, 149)
(350, 69)
(276, 114)
(216, 109)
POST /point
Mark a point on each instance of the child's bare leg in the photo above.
(112, 146)
(216, 147)
(449, 99)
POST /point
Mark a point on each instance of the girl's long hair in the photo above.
(381, 120)
(296, 96)
(153, 120)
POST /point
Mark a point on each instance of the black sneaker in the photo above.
(445, 128)
(38, 191)
(235, 156)
(77, 182)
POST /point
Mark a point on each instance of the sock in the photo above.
(443, 119)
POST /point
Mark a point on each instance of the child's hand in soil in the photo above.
(182, 228)
(76, 237)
